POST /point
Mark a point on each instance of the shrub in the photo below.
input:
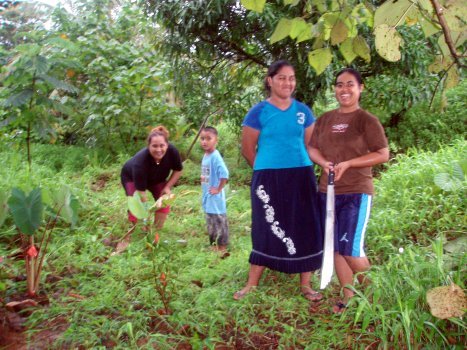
(409, 206)
(427, 129)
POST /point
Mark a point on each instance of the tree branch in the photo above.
(446, 31)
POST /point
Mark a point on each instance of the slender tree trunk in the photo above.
(28, 145)
(28, 134)
(199, 131)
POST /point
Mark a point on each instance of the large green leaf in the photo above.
(3, 206)
(305, 34)
(394, 13)
(41, 64)
(291, 2)
(18, 99)
(319, 59)
(62, 200)
(387, 42)
(26, 210)
(452, 78)
(361, 48)
(137, 207)
(298, 26)
(346, 49)
(428, 27)
(339, 33)
(58, 84)
(282, 30)
(254, 5)
(455, 13)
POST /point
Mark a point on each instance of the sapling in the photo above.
(27, 212)
(142, 212)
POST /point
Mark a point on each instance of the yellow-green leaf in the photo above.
(362, 14)
(320, 5)
(394, 13)
(387, 42)
(361, 48)
(305, 34)
(452, 78)
(428, 27)
(458, 38)
(298, 25)
(282, 30)
(440, 63)
(330, 19)
(346, 49)
(339, 33)
(443, 46)
(318, 44)
(351, 24)
(455, 13)
(254, 5)
(291, 2)
(320, 59)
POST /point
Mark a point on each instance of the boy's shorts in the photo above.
(218, 229)
(352, 212)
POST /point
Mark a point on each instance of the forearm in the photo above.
(316, 156)
(173, 178)
(370, 159)
(249, 156)
(222, 183)
(367, 160)
(249, 144)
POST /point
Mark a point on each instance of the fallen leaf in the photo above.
(447, 301)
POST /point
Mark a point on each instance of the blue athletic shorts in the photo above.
(352, 212)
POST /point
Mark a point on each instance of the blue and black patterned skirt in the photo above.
(286, 229)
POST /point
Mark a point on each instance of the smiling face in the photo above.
(158, 147)
(347, 91)
(282, 84)
(208, 141)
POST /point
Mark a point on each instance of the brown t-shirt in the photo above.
(343, 136)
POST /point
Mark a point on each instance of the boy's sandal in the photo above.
(311, 294)
(339, 308)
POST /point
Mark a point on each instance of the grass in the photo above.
(99, 301)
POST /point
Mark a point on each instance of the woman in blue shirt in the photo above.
(286, 232)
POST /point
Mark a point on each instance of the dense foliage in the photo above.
(82, 93)
(99, 300)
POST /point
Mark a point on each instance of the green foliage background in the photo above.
(115, 71)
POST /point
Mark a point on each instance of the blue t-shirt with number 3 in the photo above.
(282, 133)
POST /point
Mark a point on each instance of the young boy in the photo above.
(214, 176)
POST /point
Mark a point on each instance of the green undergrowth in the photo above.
(100, 301)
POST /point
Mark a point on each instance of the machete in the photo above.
(327, 266)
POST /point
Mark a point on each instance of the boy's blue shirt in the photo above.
(213, 169)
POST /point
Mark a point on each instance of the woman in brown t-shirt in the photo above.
(349, 141)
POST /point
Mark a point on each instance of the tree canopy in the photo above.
(399, 45)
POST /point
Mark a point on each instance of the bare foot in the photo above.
(310, 294)
(243, 292)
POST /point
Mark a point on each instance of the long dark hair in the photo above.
(273, 69)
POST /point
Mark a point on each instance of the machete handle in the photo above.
(331, 177)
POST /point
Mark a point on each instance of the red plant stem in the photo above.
(30, 278)
(47, 232)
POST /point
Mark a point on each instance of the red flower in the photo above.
(156, 238)
(162, 279)
(32, 252)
